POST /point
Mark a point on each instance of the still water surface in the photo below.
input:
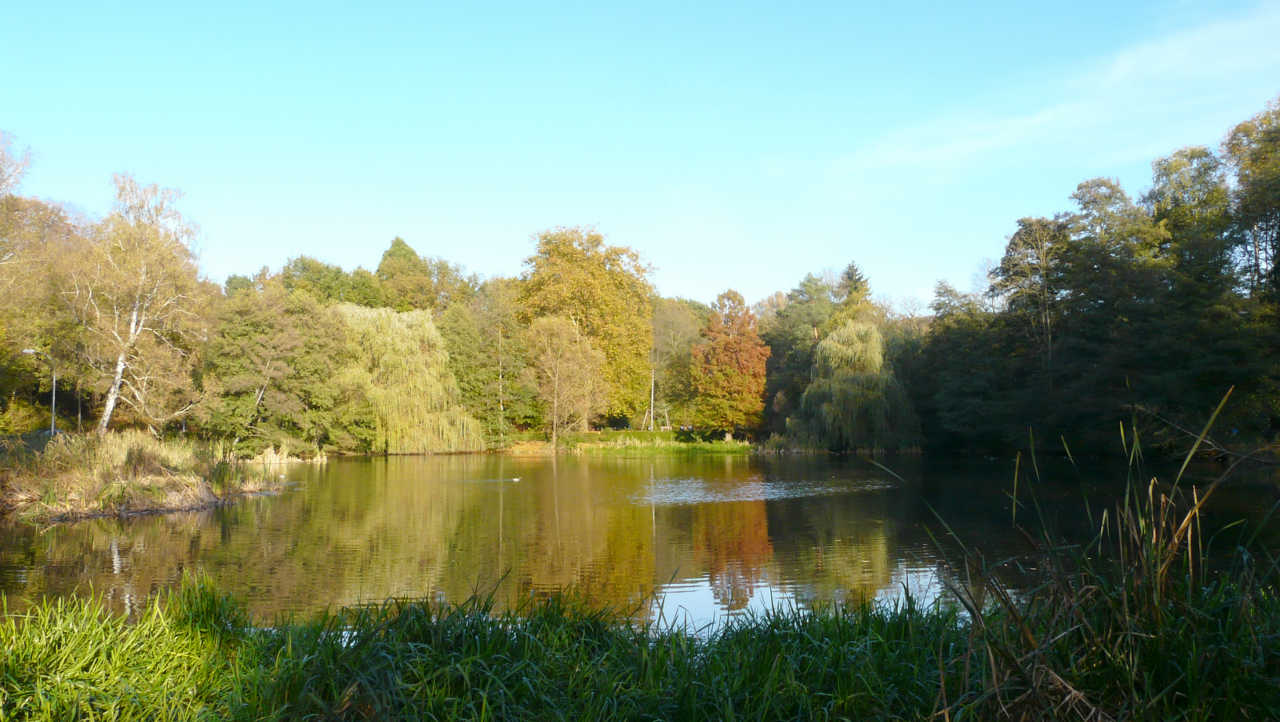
(693, 539)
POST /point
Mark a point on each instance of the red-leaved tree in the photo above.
(727, 369)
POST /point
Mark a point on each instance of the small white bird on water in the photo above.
(515, 480)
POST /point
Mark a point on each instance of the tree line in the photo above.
(1145, 311)
(1142, 311)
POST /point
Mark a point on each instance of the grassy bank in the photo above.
(640, 443)
(76, 476)
(1137, 624)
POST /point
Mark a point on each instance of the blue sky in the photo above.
(732, 144)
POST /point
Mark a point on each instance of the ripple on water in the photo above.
(681, 491)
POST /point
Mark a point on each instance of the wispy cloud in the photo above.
(1131, 105)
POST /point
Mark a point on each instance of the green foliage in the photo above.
(488, 357)
(1253, 151)
(649, 443)
(796, 323)
(792, 335)
(854, 400)
(67, 660)
(273, 375)
(328, 283)
(677, 326)
(604, 290)
(410, 281)
(401, 363)
(1120, 311)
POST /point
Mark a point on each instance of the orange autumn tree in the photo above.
(727, 368)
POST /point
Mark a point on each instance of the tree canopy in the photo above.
(1136, 308)
(604, 290)
(727, 369)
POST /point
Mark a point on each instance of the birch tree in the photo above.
(133, 289)
(13, 164)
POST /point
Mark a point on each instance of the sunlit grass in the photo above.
(119, 472)
(650, 442)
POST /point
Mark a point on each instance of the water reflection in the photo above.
(691, 539)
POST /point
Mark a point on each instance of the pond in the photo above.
(691, 539)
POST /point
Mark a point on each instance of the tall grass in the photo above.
(66, 659)
(1145, 621)
(191, 655)
(119, 472)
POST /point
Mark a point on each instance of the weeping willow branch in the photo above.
(403, 366)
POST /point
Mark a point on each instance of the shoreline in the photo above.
(129, 473)
(197, 496)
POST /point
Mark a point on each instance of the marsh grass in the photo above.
(121, 472)
(1147, 620)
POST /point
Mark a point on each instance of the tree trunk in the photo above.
(502, 407)
(113, 394)
(555, 413)
(653, 377)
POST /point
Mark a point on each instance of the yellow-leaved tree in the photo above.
(605, 292)
(132, 288)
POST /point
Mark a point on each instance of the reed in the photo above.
(1146, 621)
(124, 471)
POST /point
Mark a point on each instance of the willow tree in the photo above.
(853, 400)
(132, 287)
(604, 290)
(402, 363)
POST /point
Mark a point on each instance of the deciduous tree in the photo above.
(728, 368)
(410, 281)
(133, 288)
(488, 357)
(1253, 150)
(854, 400)
(567, 371)
(273, 373)
(604, 290)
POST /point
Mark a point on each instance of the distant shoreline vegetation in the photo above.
(131, 472)
(1117, 311)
